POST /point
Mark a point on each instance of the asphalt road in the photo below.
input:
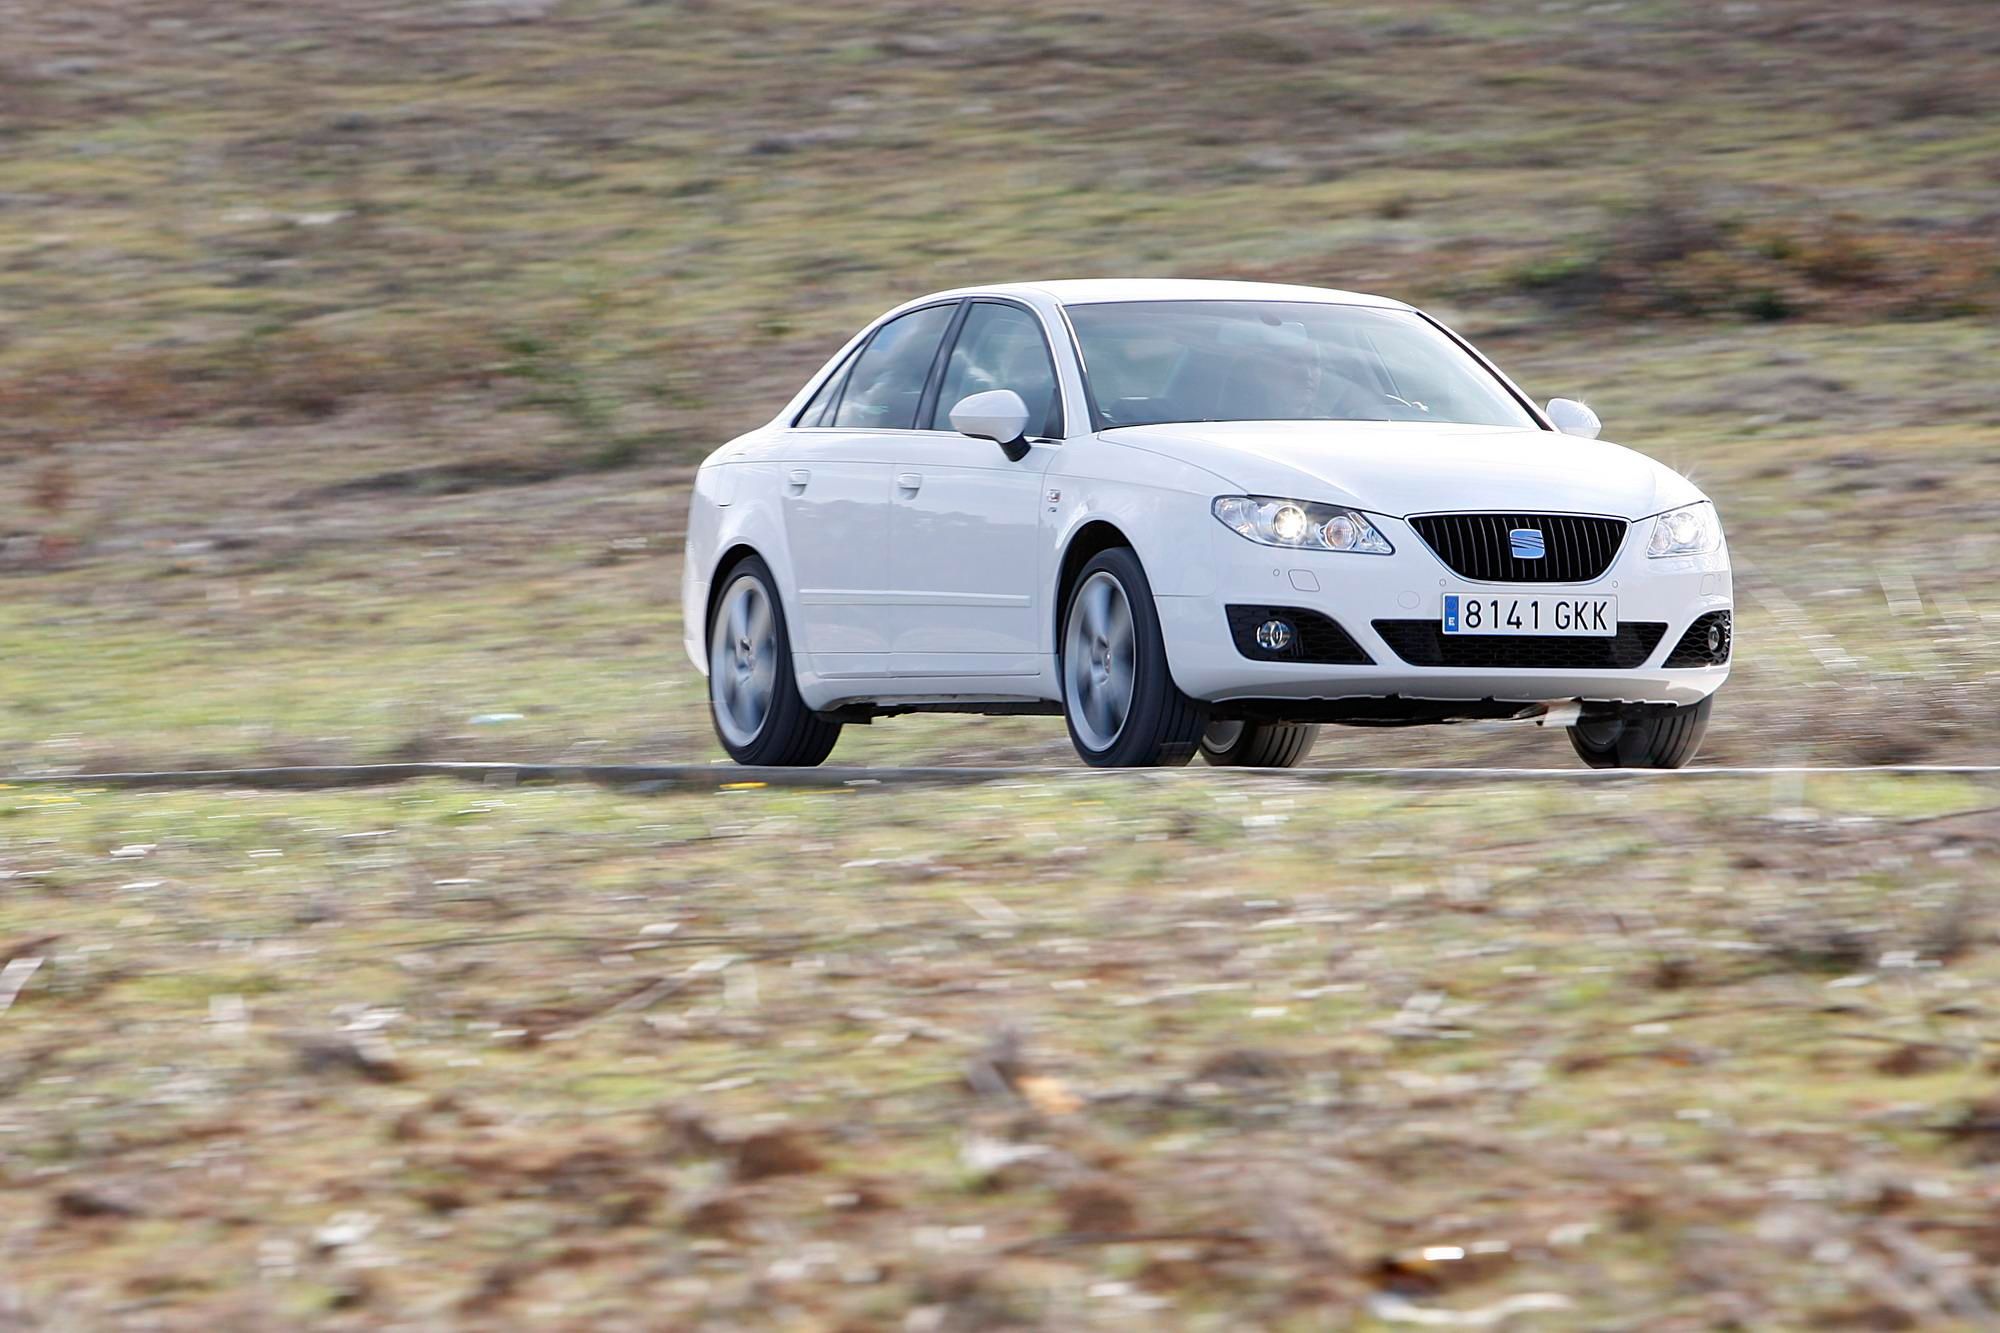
(729, 777)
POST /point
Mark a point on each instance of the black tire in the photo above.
(1162, 727)
(789, 734)
(1665, 737)
(1258, 744)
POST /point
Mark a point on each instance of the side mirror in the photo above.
(998, 415)
(1573, 418)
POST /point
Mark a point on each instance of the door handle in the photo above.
(797, 479)
(910, 481)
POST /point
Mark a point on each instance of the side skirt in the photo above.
(861, 714)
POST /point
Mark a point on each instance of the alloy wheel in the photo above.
(1223, 734)
(1100, 660)
(743, 660)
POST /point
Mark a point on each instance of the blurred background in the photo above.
(353, 357)
(354, 360)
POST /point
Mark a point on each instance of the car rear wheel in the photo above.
(1121, 703)
(753, 696)
(1258, 744)
(1665, 737)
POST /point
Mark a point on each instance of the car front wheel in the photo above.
(1665, 737)
(1123, 708)
(753, 696)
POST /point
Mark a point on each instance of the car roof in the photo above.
(1092, 291)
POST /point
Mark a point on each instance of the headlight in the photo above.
(1692, 530)
(1300, 525)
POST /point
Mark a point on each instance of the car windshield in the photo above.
(1148, 362)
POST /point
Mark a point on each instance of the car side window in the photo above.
(887, 382)
(819, 411)
(1001, 347)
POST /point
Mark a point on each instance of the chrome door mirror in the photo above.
(1573, 418)
(998, 415)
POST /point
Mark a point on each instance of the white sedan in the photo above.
(1195, 516)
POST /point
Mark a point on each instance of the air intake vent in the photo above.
(1499, 548)
(1705, 644)
(1424, 643)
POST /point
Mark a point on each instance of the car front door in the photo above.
(965, 538)
(834, 485)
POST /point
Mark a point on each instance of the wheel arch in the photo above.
(731, 553)
(1091, 538)
(725, 564)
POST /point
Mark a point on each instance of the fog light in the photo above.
(1274, 636)
(1714, 640)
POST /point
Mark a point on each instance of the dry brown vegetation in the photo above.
(352, 359)
(352, 355)
(1074, 1055)
(1670, 257)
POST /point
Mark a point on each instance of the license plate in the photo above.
(1536, 613)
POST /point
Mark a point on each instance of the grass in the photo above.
(221, 618)
(1099, 1054)
(331, 423)
(352, 362)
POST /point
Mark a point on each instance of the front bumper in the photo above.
(1357, 590)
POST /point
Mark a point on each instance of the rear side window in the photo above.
(887, 382)
(1001, 347)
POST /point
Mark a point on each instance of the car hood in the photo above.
(1400, 468)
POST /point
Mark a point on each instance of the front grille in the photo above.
(1315, 638)
(1479, 546)
(1424, 643)
(1696, 649)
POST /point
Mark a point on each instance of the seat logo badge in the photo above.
(1527, 543)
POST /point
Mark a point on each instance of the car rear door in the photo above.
(834, 486)
(965, 537)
